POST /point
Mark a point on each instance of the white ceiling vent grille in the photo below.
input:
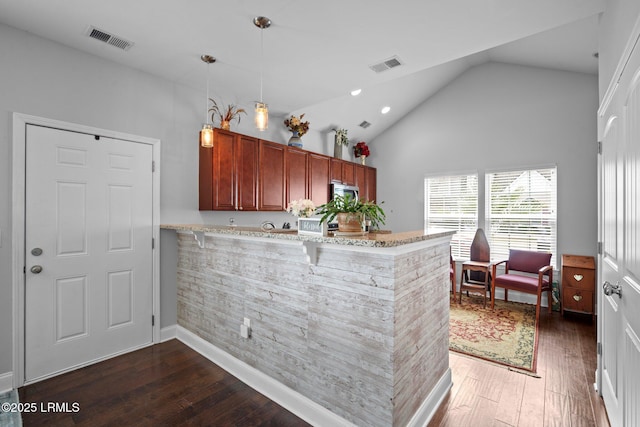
(105, 37)
(387, 64)
(365, 124)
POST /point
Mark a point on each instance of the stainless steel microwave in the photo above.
(343, 190)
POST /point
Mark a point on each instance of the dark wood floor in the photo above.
(164, 385)
(169, 385)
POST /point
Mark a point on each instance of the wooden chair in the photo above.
(537, 278)
(475, 274)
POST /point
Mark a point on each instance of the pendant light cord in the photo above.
(206, 101)
(261, 60)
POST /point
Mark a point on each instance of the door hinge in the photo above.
(153, 320)
(153, 166)
(599, 248)
(600, 348)
(24, 269)
(153, 243)
(599, 147)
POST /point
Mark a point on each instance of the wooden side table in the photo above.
(472, 285)
(578, 284)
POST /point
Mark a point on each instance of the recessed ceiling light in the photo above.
(385, 110)
(356, 92)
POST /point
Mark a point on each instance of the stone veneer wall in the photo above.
(362, 333)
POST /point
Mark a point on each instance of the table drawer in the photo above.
(578, 278)
(575, 299)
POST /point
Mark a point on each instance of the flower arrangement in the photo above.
(295, 124)
(361, 149)
(302, 208)
(341, 137)
(226, 115)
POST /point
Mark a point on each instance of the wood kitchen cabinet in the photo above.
(296, 179)
(229, 173)
(271, 177)
(361, 179)
(371, 181)
(578, 283)
(348, 173)
(244, 173)
(319, 168)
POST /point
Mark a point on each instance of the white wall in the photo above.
(498, 116)
(46, 79)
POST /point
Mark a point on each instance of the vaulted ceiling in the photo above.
(315, 53)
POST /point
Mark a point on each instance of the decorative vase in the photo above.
(349, 222)
(225, 125)
(295, 140)
(363, 160)
(337, 151)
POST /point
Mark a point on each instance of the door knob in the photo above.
(36, 269)
(610, 289)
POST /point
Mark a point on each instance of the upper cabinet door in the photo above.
(348, 173)
(296, 180)
(247, 173)
(271, 191)
(371, 181)
(319, 167)
(336, 170)
(224, 171)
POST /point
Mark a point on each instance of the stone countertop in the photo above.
(380, 240)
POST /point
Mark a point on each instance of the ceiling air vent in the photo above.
(105, 37)
(365, 124)
(387, 64)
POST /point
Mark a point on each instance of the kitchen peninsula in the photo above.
(343, 330)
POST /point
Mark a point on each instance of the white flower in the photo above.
(303, 208)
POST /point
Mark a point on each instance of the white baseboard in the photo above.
(293, 401)
(6, 382)
(432, 402)
(168, 333)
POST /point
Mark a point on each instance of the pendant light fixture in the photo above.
(206, 134)
(262, 111)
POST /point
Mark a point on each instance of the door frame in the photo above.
(18, 224)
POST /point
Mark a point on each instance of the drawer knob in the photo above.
(577, 297)
(578, 277)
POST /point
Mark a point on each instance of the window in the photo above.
(521, 211)
(451, 202)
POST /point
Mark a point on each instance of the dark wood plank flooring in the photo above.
(163, 385)
(485, 394)
(170, 385)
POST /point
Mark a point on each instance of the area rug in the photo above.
(507, 335)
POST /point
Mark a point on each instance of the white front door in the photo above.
(88, 244)
(619, 296)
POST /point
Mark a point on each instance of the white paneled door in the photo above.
(619, 302)
(88, 244)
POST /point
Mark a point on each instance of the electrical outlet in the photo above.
(245, 331)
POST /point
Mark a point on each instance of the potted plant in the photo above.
(351, 213)
(226, 115)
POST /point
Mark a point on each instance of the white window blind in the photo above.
(521, 211)
(451, 202)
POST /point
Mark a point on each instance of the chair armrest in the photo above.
(547, 269)
(494, 265)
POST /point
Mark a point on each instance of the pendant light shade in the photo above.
(262, 111)
(206, 134)
(262, 116)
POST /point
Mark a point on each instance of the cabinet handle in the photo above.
(578, 277)
(577, 297)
